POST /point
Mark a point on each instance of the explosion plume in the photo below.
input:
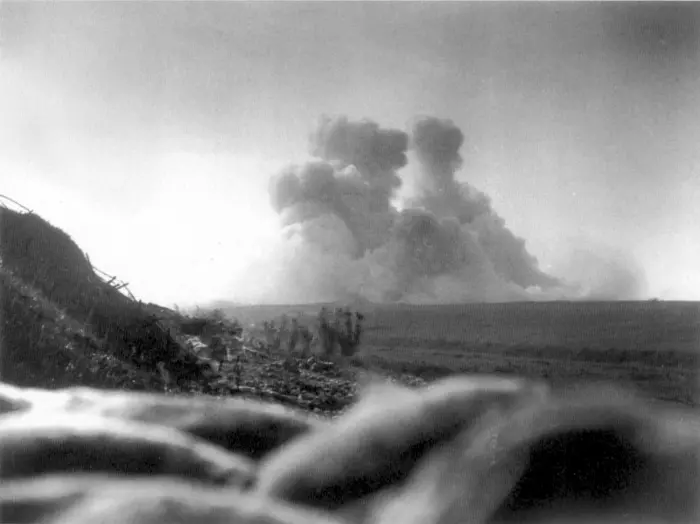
(345, 237)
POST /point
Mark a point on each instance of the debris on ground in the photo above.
(64, 325)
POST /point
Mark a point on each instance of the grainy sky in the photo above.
(149, 130)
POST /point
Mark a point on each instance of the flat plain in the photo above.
(652, 347)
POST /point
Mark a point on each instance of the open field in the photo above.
(651, 346)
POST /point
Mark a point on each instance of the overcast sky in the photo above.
(148, 130)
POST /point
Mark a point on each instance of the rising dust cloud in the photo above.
(346, 236)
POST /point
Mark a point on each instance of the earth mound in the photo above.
(63, 325)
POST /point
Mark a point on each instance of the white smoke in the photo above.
(343, 236)
(600, 272)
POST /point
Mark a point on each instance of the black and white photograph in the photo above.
(349, 262)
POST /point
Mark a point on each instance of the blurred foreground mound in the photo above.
(469, 449)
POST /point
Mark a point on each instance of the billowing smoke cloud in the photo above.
(600, 272)
(355, 180)
(437, 144)
(344, 237)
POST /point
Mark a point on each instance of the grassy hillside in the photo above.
(61, 324)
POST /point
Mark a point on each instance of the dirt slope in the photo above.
(62, 325)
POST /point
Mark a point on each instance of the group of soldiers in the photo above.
(341, 331)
